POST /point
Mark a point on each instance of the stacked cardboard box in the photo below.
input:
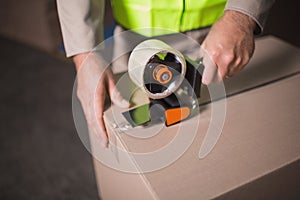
(256, 156)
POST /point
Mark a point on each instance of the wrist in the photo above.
(78, 60)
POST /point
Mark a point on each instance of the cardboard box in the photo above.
(256, 156)
(32, 22)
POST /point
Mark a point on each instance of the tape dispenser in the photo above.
(171, 81)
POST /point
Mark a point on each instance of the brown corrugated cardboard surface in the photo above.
(280, 184)
(260, 135)
(119, 185)
(260, 138)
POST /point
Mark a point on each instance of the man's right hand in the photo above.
(94, 81)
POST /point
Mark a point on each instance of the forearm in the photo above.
(244, 22)
(256, 9)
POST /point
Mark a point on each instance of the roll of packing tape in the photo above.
(144, 56)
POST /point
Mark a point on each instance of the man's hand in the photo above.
(228, 46)
(94, 82)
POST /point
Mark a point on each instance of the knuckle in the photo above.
(238, 61)
(227, 59)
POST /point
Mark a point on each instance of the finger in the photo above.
(114, 94)
(236, 66)
(210, 68)
(102, 132)
(226, 65)
(96, 124)
(99, 109)
(117, 99)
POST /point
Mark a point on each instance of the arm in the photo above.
(82, 28)
(81, 24)
(257, 10)
(230, 42)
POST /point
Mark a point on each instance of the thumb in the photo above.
(115, 95)
(210, 68)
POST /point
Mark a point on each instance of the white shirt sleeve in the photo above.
(81, 24)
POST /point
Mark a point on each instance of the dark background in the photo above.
(41, 156)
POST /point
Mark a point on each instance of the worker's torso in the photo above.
(158, 17)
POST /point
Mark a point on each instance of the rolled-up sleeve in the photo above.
(81, 24)
(256, 9)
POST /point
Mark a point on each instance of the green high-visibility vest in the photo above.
(169, 15)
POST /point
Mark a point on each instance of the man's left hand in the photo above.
(228, 46)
